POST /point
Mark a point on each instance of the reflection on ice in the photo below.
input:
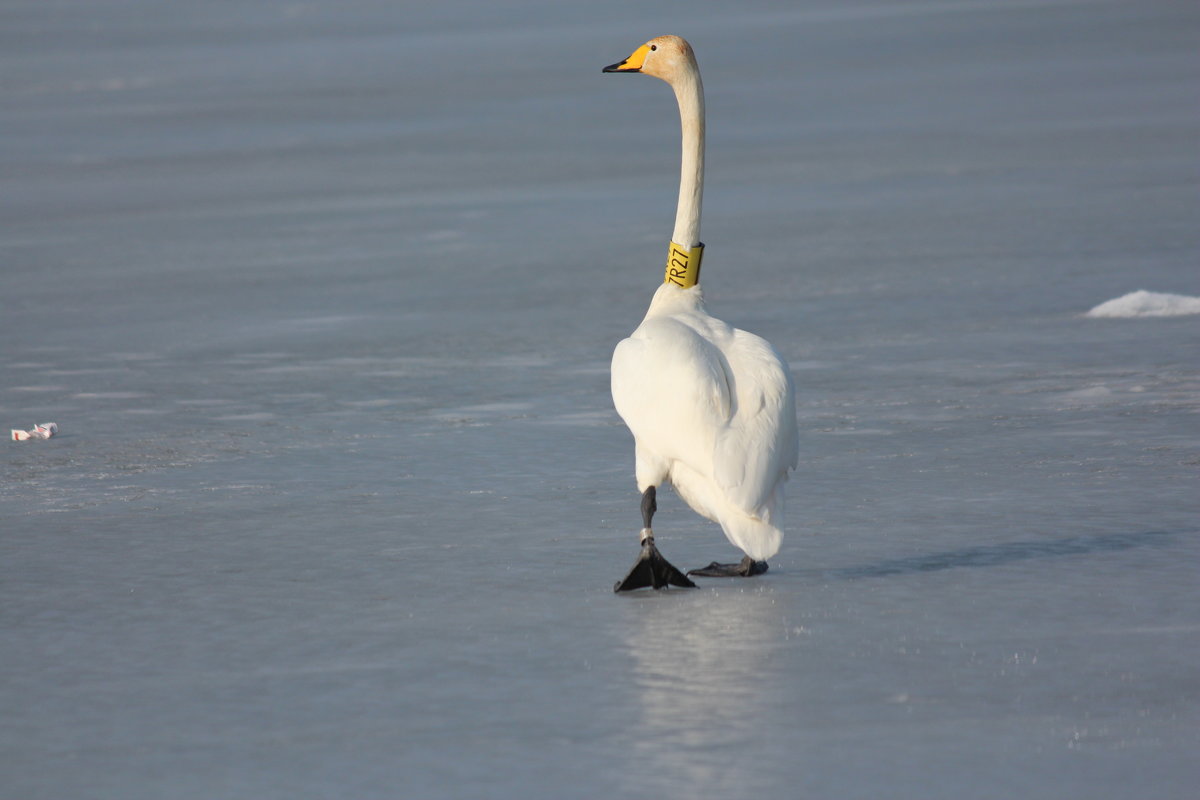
(702, 666)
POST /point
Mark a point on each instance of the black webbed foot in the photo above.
(747, 568)
(651, 569)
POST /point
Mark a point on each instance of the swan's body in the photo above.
(712, 411)
(711, 407)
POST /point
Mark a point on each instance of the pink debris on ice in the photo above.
(42, 431)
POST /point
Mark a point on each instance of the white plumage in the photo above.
(711, 409)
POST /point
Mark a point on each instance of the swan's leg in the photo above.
(649, 506)
(748, 567)
(651, 569)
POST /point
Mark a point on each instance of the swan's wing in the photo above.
(754, 452)
(670, 386)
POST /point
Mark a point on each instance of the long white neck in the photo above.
(689, 92)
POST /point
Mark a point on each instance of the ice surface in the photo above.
(1147, 304)
(322, 296)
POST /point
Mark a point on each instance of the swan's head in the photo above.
(665, 57)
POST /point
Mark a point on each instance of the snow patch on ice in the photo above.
(1090, 394)
(109, 395)
(1147, 304)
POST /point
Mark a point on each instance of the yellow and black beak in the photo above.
(631, 64)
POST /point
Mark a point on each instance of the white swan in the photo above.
(711, 407)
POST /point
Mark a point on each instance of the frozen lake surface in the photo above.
(322, 297)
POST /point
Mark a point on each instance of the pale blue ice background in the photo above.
(322, 295)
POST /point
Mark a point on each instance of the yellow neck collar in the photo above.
(683, 265)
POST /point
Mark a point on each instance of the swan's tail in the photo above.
(758, 539)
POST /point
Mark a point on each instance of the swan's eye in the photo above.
(653, 47)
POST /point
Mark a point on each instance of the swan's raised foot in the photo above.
(747, 568)
(651, 569)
